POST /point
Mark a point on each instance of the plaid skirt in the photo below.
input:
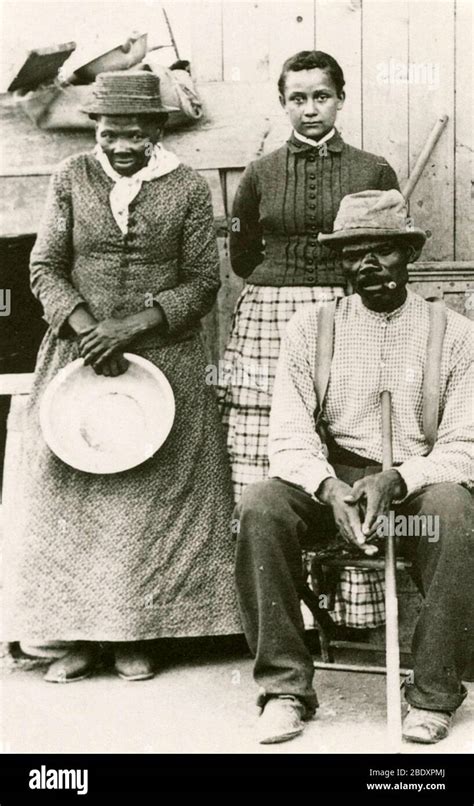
(246, 377)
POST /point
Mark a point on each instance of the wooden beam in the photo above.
(443, 271)
(16, 384)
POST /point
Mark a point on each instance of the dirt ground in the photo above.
(201, 701)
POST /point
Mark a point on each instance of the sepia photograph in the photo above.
(236, 385)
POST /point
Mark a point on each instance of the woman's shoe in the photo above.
(132, 662)
(77, 664)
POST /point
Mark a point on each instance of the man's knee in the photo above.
(264, 515)
(447, 513)
(262, 498)
(451, 502)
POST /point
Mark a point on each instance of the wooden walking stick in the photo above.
(420, 165)
(392, 649)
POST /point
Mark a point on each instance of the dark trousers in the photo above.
(278, 519)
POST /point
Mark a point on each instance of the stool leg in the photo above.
(323, 621)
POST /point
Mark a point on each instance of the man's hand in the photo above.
(375, 494)
(336, 494)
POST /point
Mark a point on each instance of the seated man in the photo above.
(380, 342)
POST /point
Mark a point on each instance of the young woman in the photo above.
(131, 556)
(283, 201)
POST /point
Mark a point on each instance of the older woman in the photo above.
(126, 260)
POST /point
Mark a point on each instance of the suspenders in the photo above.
(322, 367)
(431, 375)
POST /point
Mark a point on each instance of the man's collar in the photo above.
(334, 143)
(385, 315)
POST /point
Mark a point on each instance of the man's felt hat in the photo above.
(372, 214)
(127, 93)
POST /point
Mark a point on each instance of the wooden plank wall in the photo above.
(237, 47)
(383, 113)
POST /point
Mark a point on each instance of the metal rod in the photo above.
(354, 667)
(392, 649)
(170, 31)
(366, 563)
(365, 646)
(420, 164)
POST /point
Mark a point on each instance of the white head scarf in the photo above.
(126, 188)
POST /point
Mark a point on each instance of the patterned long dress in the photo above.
(147, 552)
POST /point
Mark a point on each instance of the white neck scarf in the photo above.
(314, 143)
(126, 188)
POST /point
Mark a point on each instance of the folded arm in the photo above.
(51, 258)
(246, 240)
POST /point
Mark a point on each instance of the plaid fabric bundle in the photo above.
(245, 390)
(360, 598)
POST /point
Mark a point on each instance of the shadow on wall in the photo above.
(21, 324)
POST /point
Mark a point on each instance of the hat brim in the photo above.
(337, 240)
(113, 109)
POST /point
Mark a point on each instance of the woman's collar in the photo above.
(333, 142)
(314, 143)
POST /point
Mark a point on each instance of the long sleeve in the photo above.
(452, 457)
(295, 450)
(52, 255)
(199, 283)
(246, 243)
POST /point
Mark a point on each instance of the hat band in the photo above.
(108, 96)
(352, 225)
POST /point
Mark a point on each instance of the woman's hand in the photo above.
(102, 342)
(101, 345)
(81, 320)
(116, 365)
(83, 323)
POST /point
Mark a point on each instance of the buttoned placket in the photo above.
(387, 325)
(127, 246)
(311, 206)
(384, 357)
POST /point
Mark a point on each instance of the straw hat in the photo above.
(372, 214)
(127, 93)
(101, 424)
